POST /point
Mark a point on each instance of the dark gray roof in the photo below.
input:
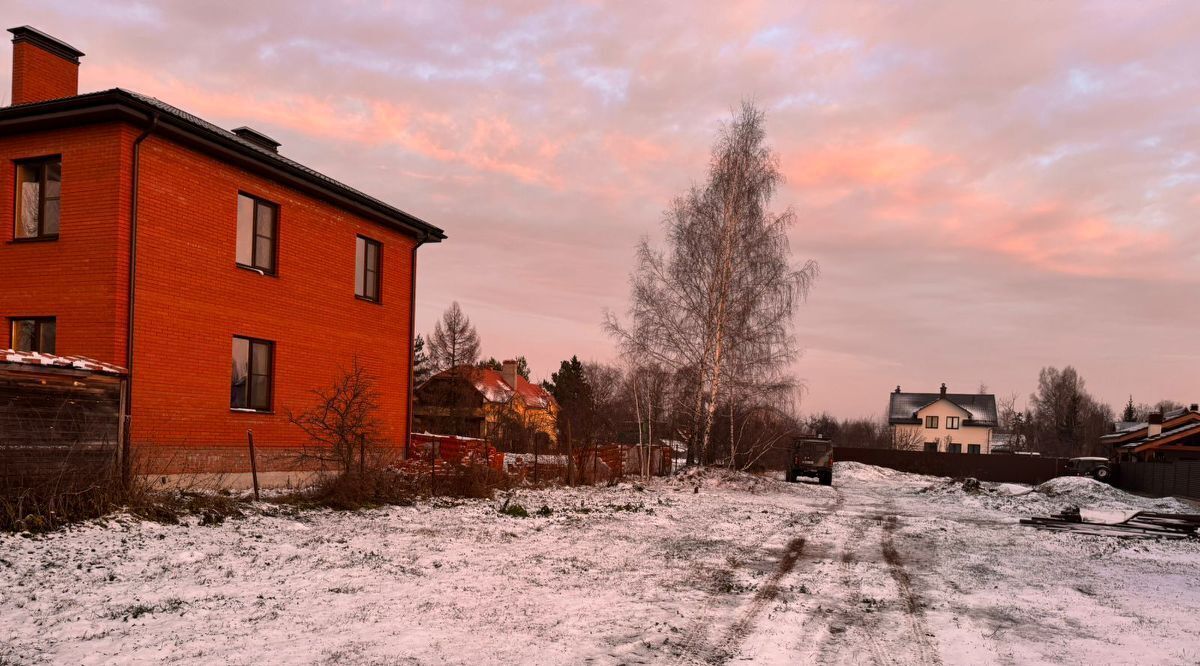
(62, 110)
(1191, 427)
(1125, 428)
(903, 407)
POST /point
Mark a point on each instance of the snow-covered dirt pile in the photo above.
(1051, 497)
(856, 472)
(726, 479)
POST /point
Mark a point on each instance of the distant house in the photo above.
(469, 401)
(943, 422)
(1174, 435)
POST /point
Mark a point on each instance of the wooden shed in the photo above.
(60, 416)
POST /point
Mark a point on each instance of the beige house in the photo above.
(942, 422)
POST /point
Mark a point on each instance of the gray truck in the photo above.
(812, 457)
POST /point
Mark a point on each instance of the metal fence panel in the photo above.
(1162, 479)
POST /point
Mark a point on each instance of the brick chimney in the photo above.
(508, 370)
(943, 389)
(1154, 424)
(43, 68)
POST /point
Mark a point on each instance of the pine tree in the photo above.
(421, 368)
(454, 341)
(490, 364)
(571, 390)
(1130, 413)
(523, 367)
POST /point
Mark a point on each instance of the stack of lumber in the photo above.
(1141, 525)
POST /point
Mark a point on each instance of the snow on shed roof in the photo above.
(903, 407)
(38, 359)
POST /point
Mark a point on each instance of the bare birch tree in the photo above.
(454, 341)
(722, 295)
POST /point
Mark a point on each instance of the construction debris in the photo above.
(1138, 525)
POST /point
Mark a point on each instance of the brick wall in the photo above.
(39, 75)
(78, 278)
(192, 299)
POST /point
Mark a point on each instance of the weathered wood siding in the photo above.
(57, 424)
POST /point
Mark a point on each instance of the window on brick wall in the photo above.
(257, 231)
(252, 381)
(39, 185)
(34, 334)
(367, 265)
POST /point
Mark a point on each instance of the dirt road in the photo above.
(883, 572)
(843, 591)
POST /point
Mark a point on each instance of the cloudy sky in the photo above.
(989, 187)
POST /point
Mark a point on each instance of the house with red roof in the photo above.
(470, 401)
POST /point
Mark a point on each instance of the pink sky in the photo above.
(989, 188)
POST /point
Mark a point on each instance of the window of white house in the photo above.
(952, 422)
(39, 185)
(253, 374)
(931, 422)
(257, 230)
(973, 448)
(34, 334)
(367, 265)
(954, 448)
(930, 447)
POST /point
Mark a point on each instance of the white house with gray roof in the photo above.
(943, 422)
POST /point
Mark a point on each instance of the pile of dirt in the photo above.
(856, 471)
(723, 478)
(1050, 497)
(1084, 490)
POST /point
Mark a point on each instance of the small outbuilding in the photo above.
(59, 416)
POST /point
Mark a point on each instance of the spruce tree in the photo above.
(1130, 413)
(421, 369)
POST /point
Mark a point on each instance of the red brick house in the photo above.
(229, 280)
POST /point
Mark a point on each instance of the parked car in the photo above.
(1098, 468)
(813, 457)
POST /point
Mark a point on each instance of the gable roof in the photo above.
(493, 387)
(1166, 437)
(981, 407)
(121, 104)
(1132, 431)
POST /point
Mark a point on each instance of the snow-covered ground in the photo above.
(883, 567)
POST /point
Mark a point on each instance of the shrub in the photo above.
(514, 510)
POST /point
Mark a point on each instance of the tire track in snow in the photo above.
(914, 612)
(728, 647)
(694, 648)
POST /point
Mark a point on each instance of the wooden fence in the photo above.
(1163, 479)
(57, 424)
(998, 467)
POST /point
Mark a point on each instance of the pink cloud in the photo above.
(1013, 170)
